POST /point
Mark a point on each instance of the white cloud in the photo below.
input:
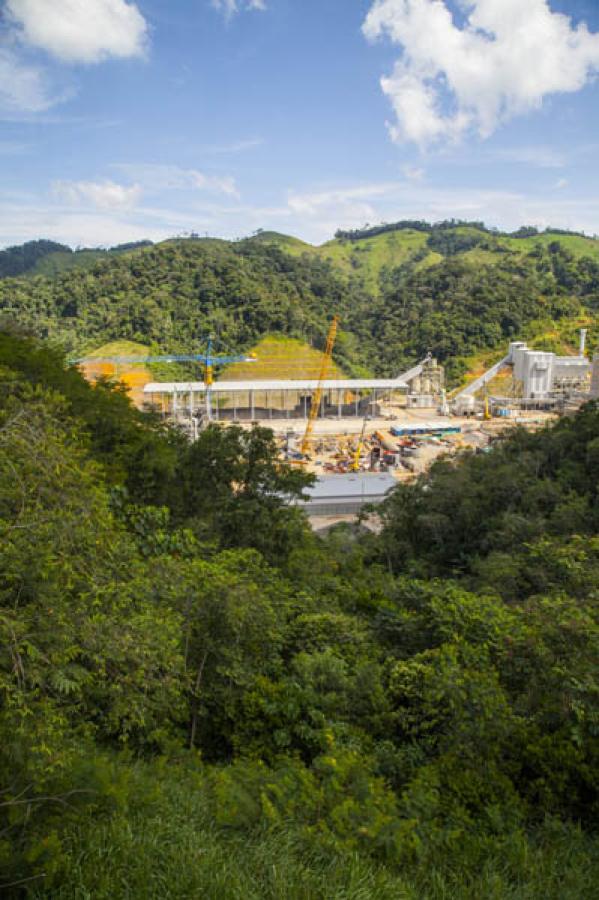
(158, 177)
(74, 227)
(105, 195)
(230, 7)
(23, 88)
(505, 60)
(355, 197)
(86, 31)
(561, 183)
(316, 215)
(312, 214)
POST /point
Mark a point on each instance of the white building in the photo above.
(541, 373)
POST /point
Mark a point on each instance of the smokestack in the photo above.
(583, 341)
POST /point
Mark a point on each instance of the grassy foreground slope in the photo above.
(166, 845)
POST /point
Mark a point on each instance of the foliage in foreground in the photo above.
(184, 684)
(161, 842)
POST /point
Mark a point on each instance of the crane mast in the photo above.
(326, 361)
(355, 466)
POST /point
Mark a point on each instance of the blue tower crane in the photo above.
(208, 360)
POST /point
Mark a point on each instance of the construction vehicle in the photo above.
(208, 360)
(355, 466)
(487, 411)
(316, 399)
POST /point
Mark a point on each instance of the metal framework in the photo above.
(208, 360)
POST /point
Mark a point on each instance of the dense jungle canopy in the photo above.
(198, 697)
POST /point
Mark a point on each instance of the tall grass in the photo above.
(163, 845)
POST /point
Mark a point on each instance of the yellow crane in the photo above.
(487, 410)
(355, 466)
(326, 361)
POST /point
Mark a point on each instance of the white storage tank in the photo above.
(465, 405)
(537, 373)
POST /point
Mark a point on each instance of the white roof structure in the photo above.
(359, 485)
(232, 387)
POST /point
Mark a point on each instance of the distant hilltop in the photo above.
(446, 238)
(36, 257)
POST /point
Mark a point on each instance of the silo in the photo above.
(538, 373)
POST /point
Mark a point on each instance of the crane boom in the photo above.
(326, 361)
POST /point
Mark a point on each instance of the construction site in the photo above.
(361, 436)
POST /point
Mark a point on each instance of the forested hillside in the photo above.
(452, 289)
(198, 698)
(43, 257)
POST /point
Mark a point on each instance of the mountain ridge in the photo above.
(453, 290)
(400, 239)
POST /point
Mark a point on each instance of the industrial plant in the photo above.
(361, 436)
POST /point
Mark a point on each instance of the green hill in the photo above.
(64, 260)
(22, 258)
(365, 255)
(49, 258)
(454, 289)
(281, 357)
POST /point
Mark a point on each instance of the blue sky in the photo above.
(122, 120)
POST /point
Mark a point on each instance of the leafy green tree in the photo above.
(238, 491)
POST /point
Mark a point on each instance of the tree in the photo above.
(237, 490)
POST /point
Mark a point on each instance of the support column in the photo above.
(252, 410)
(339, 396)
(305, 407)
(357, 403)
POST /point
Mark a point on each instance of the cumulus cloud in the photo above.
(104, 195)
(157, 177)
(504, 60)
(230, 7)
(86, 31)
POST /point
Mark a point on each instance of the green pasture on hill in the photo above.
(281, 357)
